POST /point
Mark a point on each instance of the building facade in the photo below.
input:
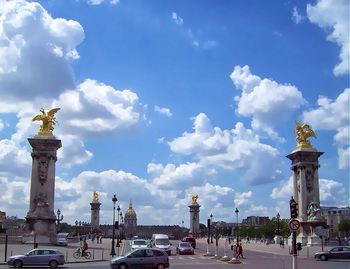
(255, 221)
(333, 216)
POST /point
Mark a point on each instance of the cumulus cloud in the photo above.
(266, 101)
(333, 17)
(237, 149)
(333, 115)
(242, 199)
(163, 111)
(35, 51)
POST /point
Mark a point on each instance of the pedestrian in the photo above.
(240, 251)
(339, 240)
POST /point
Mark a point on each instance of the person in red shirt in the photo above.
(84, 248)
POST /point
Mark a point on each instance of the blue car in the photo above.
(49, 257)
(142, 258)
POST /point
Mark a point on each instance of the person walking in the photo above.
(240, 251)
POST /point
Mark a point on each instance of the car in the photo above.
(161, 241)
(62, 239)
(184, 248)
(142, 258)
(339, 252)
(191, 240)
(38, 256)
(138, 243)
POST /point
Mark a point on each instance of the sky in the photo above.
(162, 100)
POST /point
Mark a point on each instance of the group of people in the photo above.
(237, 250)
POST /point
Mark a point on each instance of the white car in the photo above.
(138, 243)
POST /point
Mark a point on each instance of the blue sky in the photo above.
(161, 100)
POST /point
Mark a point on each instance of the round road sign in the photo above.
(294, 224)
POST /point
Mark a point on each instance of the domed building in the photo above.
(130, 218)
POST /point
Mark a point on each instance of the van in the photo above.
(62, 239)
(161, 241)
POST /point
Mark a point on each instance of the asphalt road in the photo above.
(253, 260)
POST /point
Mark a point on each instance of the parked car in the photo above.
(142, 258)
(191, 240)
(49, 257)
(184, 248)
(340, 252)
(138, 243)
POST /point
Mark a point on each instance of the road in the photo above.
(253, 260)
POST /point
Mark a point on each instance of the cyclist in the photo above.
(84, 248)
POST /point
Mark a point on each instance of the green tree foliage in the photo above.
(243, 230)
(344, 226)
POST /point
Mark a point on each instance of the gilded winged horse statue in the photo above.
(303, 132)
(48, 121)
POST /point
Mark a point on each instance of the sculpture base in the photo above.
(43, 229)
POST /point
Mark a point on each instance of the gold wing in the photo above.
(37, 117)
(309, 131)
(51, 112)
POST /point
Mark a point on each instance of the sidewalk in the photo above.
(307, 251)
(99, 252)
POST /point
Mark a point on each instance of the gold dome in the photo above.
(130, 212)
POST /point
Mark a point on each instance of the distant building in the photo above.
(333, 216)
(130, 217)
(2, 215)
(255, 221)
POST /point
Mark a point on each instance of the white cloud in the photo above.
(2, 125)
(237, 149)
(242, 199)
(35, 51)
(333, 17)
(333, 115)
(163, 111)
(284, 190)
(178, 20)
(266, 101)
(296, 16)
(99, 2)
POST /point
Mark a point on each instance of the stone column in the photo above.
(41, 219)
(194, 218)
(95, 214)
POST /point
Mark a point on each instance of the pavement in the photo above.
(99, 252)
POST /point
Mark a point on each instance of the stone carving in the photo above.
(43, 165)
(309, 180)
(194, 199)
(48, 121)
(314, 211)
(303, 132)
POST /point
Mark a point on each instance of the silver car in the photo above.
(138, 243)
(49, 257)
(340, 252)
(142, 258)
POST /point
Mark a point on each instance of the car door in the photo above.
(335, 253)
(30, 258)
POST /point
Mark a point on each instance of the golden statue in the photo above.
(303, 132)
(48, 121)
(194, 199)
(95, 196)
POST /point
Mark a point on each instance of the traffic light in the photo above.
(208, 223)
(293, 208)
(299, 246)
(116, 225)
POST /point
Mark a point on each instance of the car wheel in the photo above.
(160, 266)
(123, 266)
(323, 258)
(17, 264)
(53, 264)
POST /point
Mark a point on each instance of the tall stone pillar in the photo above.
(95, 212)
(306, 192)
(194, 216)
(41, 219)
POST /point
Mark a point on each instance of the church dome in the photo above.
(130, 212)
(130, 219)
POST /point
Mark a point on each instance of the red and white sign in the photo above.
(294, 225)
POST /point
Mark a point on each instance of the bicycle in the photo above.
(79, 253)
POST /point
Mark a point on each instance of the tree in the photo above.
(243, 231)
(344, 226)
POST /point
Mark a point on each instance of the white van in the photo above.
(62, 239)
(161, 241)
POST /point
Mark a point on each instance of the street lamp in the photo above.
(59, 219)
(278, 223)
(114, 200)
(76, 227)
(236, 211)
(211, 233)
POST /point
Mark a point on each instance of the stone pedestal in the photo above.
(95, 215)
(41, 219)
(194, 219)
(307, 192)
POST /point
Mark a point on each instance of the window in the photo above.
(148, 253)
(157, 253)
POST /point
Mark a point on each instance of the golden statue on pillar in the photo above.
(95, 196)
(194, 199)
(48, 121)
(303, 132)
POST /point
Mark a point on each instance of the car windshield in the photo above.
(139, 242)
(185, 244)
(162, 241)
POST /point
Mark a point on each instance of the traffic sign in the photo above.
(294, 225)
(320, 231)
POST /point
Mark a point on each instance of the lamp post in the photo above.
(114, 200)
(278, 223)
(211, 233)
(76, 228)
(80, 230)
(237, 211)
(59, 219)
